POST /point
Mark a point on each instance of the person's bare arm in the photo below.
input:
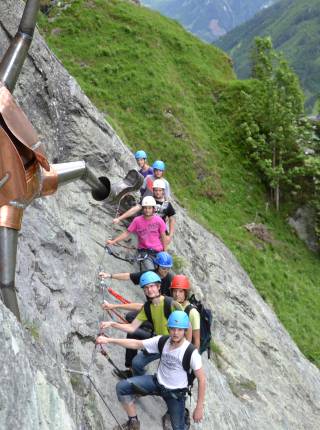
(129, 213)
(198, 411)
(196, 338)
(127, 306)
(125, 276)
(164, 241)
(189, 333)
(119, 238)
(127, 328)
(126, 343)
(172, 222)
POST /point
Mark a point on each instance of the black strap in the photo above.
(167, 307)
(110, 252)
(147, 311)
(186, 360)
(162, 340)
(187, 357)
(188, 309)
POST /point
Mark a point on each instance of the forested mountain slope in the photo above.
(208, 19)
(176, 97)
(294, 28)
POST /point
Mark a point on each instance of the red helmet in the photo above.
(180, 281)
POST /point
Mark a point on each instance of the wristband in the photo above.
(110, 275)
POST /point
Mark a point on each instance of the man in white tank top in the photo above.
(171, 379)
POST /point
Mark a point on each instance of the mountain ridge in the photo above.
(208, 19)
(294, 28)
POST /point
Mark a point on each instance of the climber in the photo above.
(158, 172)
(171, 379)
(156, 310)
(141, 158)
(163, 263)
(180, 288)
(163, 208)
(150, 230)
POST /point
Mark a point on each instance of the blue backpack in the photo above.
(205, 323)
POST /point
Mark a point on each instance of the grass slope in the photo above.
(168, 93)
(294, 26)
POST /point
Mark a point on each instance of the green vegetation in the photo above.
(294, 28)
(33, 329)
(177, 98)
(242, 388)
(178, 263)
(278, 140)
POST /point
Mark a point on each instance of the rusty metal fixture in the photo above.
(11, 217)
(132, 182)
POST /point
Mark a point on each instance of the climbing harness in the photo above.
(139, 256)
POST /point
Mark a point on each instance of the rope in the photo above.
(103, 287)
(105, 403)
(86, 373)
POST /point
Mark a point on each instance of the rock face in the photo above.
(258, 378)
(304, 221)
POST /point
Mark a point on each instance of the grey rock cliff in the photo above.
(258, 378)
(304, 222)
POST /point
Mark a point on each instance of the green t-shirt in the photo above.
(158, 317)
(194, 317)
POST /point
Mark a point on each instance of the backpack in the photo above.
(167, 305)
(185, 360)
(160, 209)
(205, 323)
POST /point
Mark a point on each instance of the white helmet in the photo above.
(148, 201)
(159, 183)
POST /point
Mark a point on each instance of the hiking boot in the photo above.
(166, 422)
(123, 374)
(187, 419)
(129, 425)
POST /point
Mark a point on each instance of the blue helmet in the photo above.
(163, 259)
(149, 278)
(159, 165)
(178, 319)
(140, 154)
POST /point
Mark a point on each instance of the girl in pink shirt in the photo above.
(149, 228)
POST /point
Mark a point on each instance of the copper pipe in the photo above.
(33, 182)
(11, 217)
(11, 166)
(49, 182)
(20, 130)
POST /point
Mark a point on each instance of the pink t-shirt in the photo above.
(148, 232)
